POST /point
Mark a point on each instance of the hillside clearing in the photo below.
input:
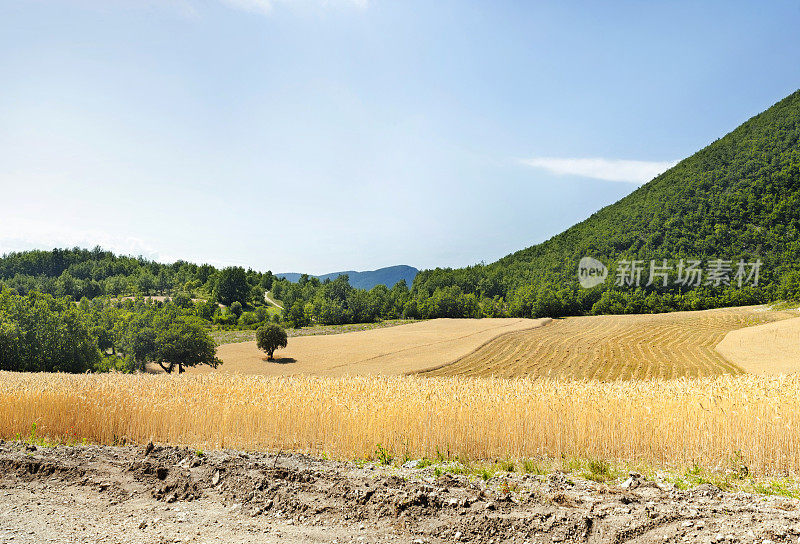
(616, 347)
(769, 349)
(394, 350)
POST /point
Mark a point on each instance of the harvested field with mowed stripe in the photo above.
(396, 350)
(616, 347)
(770, 349)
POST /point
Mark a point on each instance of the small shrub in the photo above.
(598, 470)
(529, 466)
(424, 462)
(505, 466)
(383, 456)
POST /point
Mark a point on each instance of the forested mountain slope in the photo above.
(737, 199)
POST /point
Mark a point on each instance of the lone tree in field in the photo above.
(269, 338)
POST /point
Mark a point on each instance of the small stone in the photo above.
(215, 478)
(490, 505)
(630, 483)
(457, 536)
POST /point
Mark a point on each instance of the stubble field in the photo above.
(611, 347)
(769, 349)
(388, 351)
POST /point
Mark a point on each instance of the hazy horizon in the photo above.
(320, 136)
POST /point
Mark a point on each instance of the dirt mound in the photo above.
(166, 494)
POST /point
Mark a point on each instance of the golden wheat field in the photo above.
(609, 347)
(392, 350)
(669, 423)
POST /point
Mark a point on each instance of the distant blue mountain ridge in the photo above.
(387, 276)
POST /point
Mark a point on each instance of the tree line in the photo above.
(80, 273)
(42, 333)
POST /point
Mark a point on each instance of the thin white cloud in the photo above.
(256, 6)
(194, 8)
(265, 6)
(20, 235)
(598, 168)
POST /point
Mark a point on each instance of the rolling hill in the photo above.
(736, 199)
(387, 276)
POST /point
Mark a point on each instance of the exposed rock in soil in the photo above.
(168, 494)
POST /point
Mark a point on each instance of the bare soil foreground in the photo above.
(611, 347)
(770, 349)
(391, 351)
(169, 495)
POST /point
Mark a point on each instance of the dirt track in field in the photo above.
(616, 347)
(391, 351)
(769, 349)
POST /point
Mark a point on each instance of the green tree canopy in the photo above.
(271, 337)
(39, 333)
(181, 341)
(232, 286)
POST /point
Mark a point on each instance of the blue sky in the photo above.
(316, 136)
